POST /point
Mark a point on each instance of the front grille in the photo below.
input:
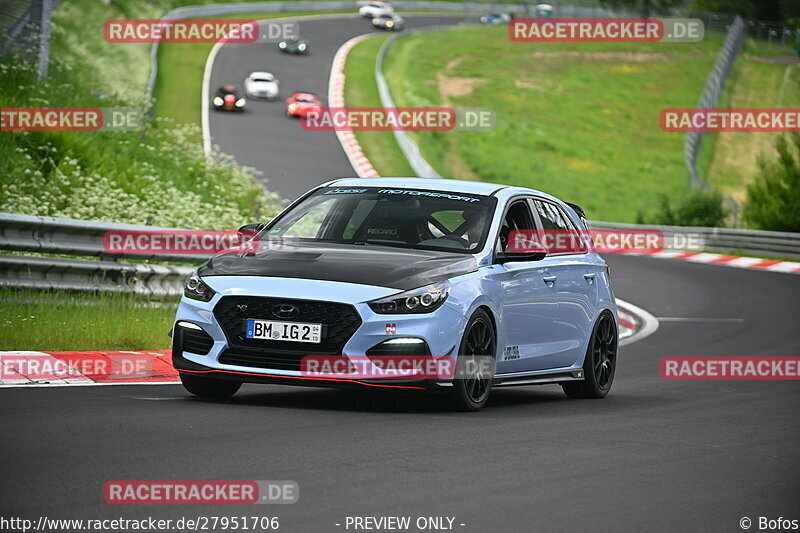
(261, 359)
(339, 322)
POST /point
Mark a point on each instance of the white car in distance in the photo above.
(375, 9)
(261, 85)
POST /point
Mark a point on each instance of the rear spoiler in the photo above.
(578, 209)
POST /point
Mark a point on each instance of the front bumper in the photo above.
(440, 330)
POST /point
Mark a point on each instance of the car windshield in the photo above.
(306, 99)
(262, 78)
(406, 218)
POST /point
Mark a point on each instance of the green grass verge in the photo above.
(362, 91)
(31, 320)
(577, 120)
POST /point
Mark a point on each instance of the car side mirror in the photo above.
(532, 252)
(251, 230)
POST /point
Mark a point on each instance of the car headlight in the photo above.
(282, 45)
(195, 289)
(375, 21)
(218, 100)
(302, 47)
(240, 102)
(423, 300)
(389, 24)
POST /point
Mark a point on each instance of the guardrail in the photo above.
(25, 26)
(711, 94)
(83, 238)
(725, 240)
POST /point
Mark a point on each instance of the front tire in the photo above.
(473, 381)
(600, 363)
(216, 389)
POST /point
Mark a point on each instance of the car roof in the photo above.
(305, 95)
(261, 74)
(431, 184)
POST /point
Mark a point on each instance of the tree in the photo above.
(786, 11)
(695, 207)
(773, 199)
(645, 7)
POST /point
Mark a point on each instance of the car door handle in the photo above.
(550, 279)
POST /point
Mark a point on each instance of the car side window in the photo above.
(518, 217)
(553, 219)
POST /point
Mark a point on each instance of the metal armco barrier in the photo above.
(711, 94)
(81, 238)
(724, 240)
(84, 238)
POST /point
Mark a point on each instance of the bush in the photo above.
(697, 207)
(159, 175)
(773, 199)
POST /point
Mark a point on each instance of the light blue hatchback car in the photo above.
(363, 269)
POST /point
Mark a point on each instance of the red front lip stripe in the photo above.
(302, 378)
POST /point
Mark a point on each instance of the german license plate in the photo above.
(282, 331)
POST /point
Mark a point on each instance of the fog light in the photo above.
(400, 346)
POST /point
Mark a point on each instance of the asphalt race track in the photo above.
(291, 159)
(655, 455)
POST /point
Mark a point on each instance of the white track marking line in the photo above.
(697, 319)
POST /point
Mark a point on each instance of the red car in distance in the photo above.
(303, 104)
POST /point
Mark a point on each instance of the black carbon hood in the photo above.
(381, 266)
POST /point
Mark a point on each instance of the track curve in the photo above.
(655, 455)
(291, 159)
